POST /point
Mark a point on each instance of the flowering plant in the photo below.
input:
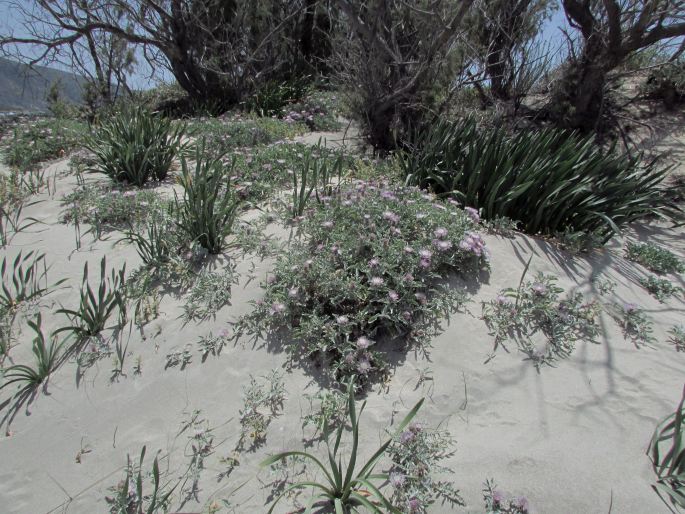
(370, 267)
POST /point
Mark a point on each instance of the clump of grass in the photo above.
(654, 258)
(262, 401)
(209, 206)
(660, 288)
(534, 312)
(497, 502)
(210, 292)
(135, 146)
(12, 222)
(549, 180)
(345, 488)
(96, 306)
(130, 495)
(25, 282)
(314, 176)
(416, 453)
(635, 324)
(667, 453)
(42, 140)
(47, 357)
(369, 266)
(678, 337)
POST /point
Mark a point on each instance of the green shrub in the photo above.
(42, 140)
(550, 181)
(135, 146)
(371, 264)
(209, 205)
(667, 83)
(657, 259)
(272, 96)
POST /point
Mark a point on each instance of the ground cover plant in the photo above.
(543, 325)
(370, 265)
(262, 401)
(550, 181)
(240, 131)
(654, 258)
(635, 324)
(667, 453)
(42, 140)
(678, 337)
(415, 455)
(660, 288)
(135, 146)
(109, 207)
(275, 95)
(497, 502)
(319, 110)
(346, 488)
(210, 292)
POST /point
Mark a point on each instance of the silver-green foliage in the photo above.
(135, 146)
(550, 181)
(345, 488)
(655, 258)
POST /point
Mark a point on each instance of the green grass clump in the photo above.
(210, 205)
(135, 146)
(550, 181)
(273, 96)
(42, 140)
(654, 258)
(371, 264)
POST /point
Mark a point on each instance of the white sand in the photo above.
(572, 439)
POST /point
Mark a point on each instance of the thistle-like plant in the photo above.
(209, 206)
(47, 355)
(345, 488)
(667, 453)
(135, 146)
(96, 306)
(26, 281)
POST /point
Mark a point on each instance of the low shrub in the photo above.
(42, 140)
(667, 83)
(660, 288)
(550, 181)
(272, 96)
(135, 146)
(371, 264)
(654, 258)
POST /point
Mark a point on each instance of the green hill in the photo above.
(23, 88)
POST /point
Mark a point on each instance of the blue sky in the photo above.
(9, 22)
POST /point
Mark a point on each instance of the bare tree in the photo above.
(393, 57)
(214, 48)
(609, 32)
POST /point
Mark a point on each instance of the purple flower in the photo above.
(364, 366)
(425, 254)
(342, 320)
(497, 498)
(503, 300)
(539, 289)
(349, 359)
(415, 427)
(442, 246)
(409, 277)
(393, 296)
(376, 281)
(277, 308)
(373, 263)
(520, 503)
(440, 233)
(406, 315)
(391, 217)
(472, 213)
(421, 298)
(407, 437)
(630, 308)
(414, 505)
(363, 343)
(129, 194)
(335, 250)
(425, 263)
(408, 249)
(397, 479)
(223, 333)
(293, 292)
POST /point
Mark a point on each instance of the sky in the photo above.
(9, 22)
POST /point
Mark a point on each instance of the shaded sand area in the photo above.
(571, 439)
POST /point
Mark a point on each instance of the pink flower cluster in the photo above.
(474, 243)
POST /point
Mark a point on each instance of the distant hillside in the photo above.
(24, 89)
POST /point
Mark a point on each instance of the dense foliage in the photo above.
(550, 181)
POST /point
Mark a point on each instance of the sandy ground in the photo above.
(571, 439)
